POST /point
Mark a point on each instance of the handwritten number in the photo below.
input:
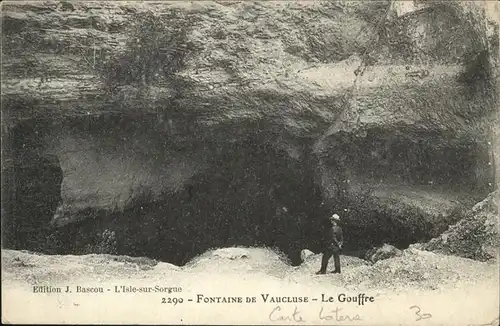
(419, 315)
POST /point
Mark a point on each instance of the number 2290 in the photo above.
(173, 301)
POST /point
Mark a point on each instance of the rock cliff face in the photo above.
(181, 126)
(475, 237)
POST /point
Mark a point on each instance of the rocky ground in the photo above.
(450, 280)
(453, 290)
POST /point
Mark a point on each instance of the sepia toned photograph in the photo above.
(250, 162)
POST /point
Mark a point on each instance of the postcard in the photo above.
(250, 162)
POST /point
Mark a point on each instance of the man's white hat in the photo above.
(336, 217)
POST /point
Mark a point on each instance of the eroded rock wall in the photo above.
(475, 237)
(385, 107)
(413, 147)
(108, 166)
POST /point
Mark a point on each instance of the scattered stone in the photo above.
(384, 252)
(305, 254)
(232, 253)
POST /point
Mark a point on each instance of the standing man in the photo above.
(332, 242)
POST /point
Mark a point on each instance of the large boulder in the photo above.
(384, 252)
(306, 254)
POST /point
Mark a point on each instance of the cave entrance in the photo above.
(254, 195)
(32, 190)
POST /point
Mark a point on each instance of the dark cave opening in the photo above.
(31, 189)
(253, 194)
